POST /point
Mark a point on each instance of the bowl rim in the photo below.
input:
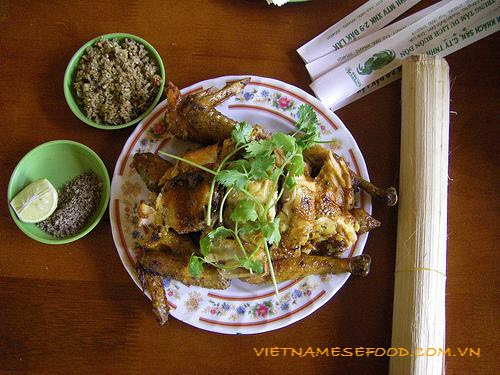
(68, 79)
(100, 214)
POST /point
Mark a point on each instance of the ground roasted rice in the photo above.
(116, 81)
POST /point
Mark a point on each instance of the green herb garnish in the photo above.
(276, 159)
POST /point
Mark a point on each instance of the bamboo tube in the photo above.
(420, 275)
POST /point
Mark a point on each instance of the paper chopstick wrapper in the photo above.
(335, 86)
(443, 47)
(326, 63)
(420, 275)
(368, 18)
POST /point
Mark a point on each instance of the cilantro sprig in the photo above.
(307, 126)
(278, 159)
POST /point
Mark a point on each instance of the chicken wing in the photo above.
(389, 195)
(154, 284)
(194, 117)
(316, 157)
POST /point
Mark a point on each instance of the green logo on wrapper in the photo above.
(353, 76)
(377, 61)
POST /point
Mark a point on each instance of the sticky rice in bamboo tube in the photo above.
(420, 274)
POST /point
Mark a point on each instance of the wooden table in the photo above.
(74, 309)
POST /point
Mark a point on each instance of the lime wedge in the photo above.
(35, 202)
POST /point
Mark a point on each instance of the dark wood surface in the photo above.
(73, 308)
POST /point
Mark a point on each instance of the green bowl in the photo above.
(58, 161)
(69, 75)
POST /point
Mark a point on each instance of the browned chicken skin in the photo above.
(183, 201)
(159, 238)
(163, 264)
(154, 284)
(316, 157)
(305, 265)
(194, 117)
(151, 168)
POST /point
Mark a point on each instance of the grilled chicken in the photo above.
(194, 117)
(225, 252)
(297, 217)
(159, 238)
(206, 156)
(305, 265)
(151, 168)
(365, 221)
(318, 220)
(183, 190)
(154, 284)
(262, 190)
(318, 209)
(184, 199)
(161, 263)
(317, 155)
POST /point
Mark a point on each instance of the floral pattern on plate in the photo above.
(262, 309)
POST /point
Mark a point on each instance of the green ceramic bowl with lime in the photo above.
(69, 77)
(59, 162)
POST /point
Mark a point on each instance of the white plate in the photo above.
(242, 308)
